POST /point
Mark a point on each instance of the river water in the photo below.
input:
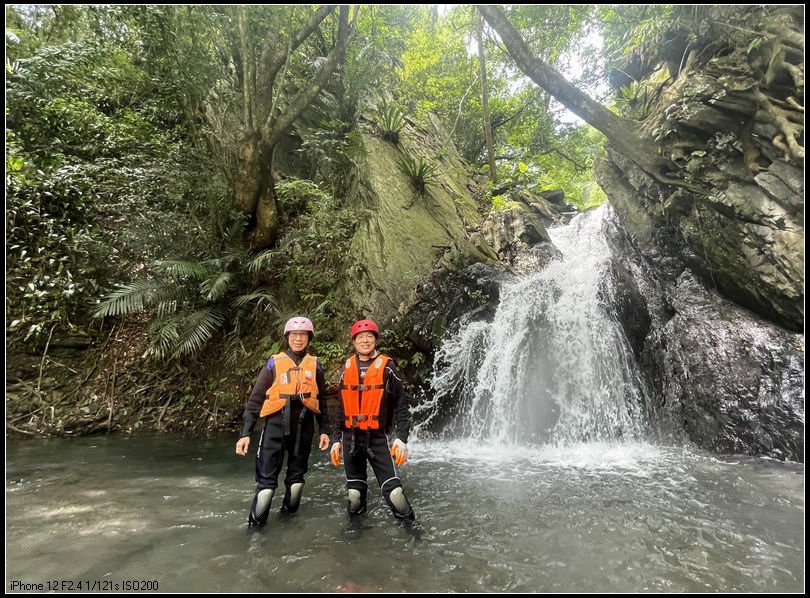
(169, 512)
(554, 474)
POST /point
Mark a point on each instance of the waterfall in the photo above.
(554, 365)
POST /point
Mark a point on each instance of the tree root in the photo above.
(750, 152)
(788, 131)
(18, 430)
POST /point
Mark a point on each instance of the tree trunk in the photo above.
(493, 173)
(267, 217)
(254, 188)
(248, 182)
(620, 133)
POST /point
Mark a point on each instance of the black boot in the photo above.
(260, 508)
(292, 498)
(399, 504)
(357, 502)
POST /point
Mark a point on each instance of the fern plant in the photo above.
(421, 173)
(191, 302)
(634, 101)
(390, 121)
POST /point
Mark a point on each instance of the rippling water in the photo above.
(587, 518)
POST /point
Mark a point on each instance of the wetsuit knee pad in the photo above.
(357, 501)
(399, 504)
(292, 497)
(260, 508)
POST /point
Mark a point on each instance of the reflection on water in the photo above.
(588, 518)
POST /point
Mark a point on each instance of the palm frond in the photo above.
(191, 269)
(184, 333)
(164, 333)
(234, 348)
(263, 261)
(290, 238)
(131, 298)
(321, 307)
(235, 231)
(215, 287)
(421, 173)
(234, 256)
(390, 120)
(164, 308)
(196, 329)
(259, 295)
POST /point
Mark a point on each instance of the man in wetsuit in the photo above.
(372, 401)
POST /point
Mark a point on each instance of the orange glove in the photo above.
(399, 451)
(335, 454)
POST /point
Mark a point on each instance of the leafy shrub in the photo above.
(390, 121)
(95, 188)
(501, 203)
(191, 301)
(307, 266)
(421, 173)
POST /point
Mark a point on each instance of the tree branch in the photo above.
(273, 65)
(273, 128)
(619, 132)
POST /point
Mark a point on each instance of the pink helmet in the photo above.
(365, 326)
(299, 324)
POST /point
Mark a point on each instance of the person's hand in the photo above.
(399, 451)
(323, 442)
(335, 454)
(242, 445)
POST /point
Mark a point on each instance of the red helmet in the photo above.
(365, 326)
(299, 324)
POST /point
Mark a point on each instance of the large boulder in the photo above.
(731, 379)
(403, 235)
(735, 381)
(734, 211)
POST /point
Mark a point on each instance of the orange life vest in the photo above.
(292, 383)
(361, 402)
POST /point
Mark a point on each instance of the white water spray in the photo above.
(554, 365)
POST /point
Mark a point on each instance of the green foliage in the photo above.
(47, 287)
(390, 122)
(335, 151)
(638, 37)
(501, 204)
(297, 195)
(57, 255)
(439, 76)
(519, 174)
(420, 172)
(570, 168)
(755, 43)
(564, 161)
(634, 101)
(440, 73)
(373, 61)
(552, 30)
(191, 302)
(413, 364)
(331, 353)
(308, 264)
(102, 176)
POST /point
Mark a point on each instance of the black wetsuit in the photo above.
(288, 431)
(364, 447)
